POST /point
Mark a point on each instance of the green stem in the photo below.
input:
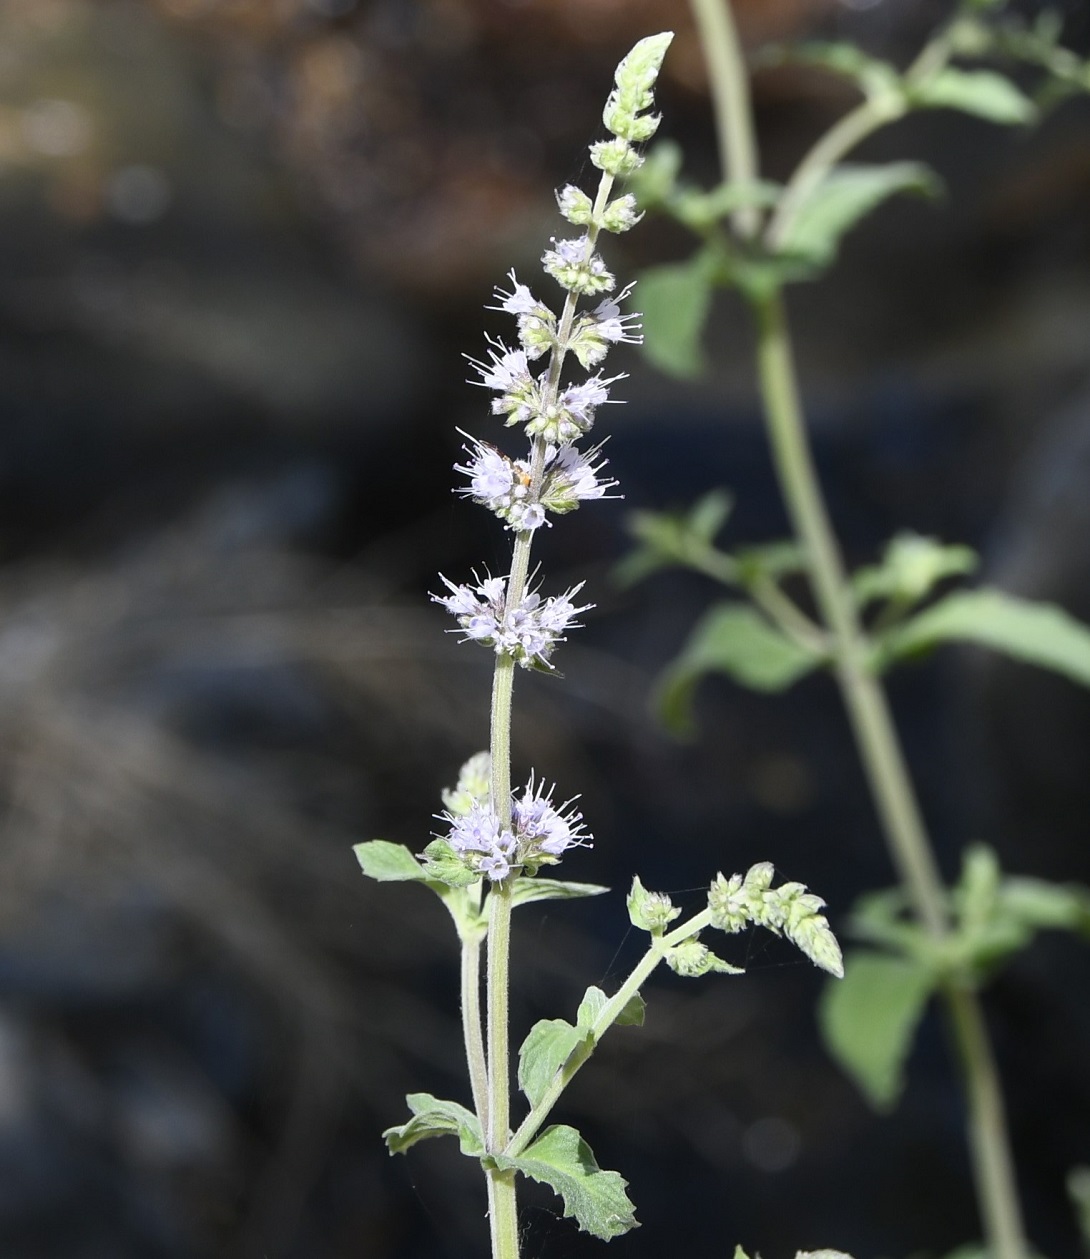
(993, 1169)
(887, 772)
(476, 1060)
(494, 1109)
(607, 1016)
(868, 116)
(731, 103)
(864, 697)
(863, 694)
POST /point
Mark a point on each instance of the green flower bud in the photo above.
(474, 785)
(616, 157)
(620, 214)
(650, 911)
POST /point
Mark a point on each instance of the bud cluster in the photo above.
(789, 910)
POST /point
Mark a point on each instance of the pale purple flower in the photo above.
(506, 371)
(580, 401)
(495, 866)
(461, 600)
(527, 633)
(502, 485)
(520, 301)
(543, 828)
(569, 252)
(614, 326)
(575, 268)
(477, 831)
(572, 477)
(491, 476)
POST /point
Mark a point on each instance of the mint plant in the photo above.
(757, 238)
(493, 840)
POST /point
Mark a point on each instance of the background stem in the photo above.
(731, 101)
(863, 695)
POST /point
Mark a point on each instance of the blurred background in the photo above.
(243, 246)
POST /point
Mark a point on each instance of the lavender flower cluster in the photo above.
(556, 475)
(527, 632)
(539, 834)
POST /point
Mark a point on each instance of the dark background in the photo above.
(243, 246)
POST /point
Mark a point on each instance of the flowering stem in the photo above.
(494, 1110)
(607, 1016)
(863, 694)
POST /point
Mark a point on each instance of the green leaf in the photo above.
(670, 538)
(771, 560)
(435, 1118)
(983, 93)
(844, 196)
(1043, 906)
(868, 1020)
(911, 566)
(675, 300)
(594, 1002)
(1035, 633)
(561, 1159)
(734, 639)
(692, 959)
(653, 184)
(844, 59)
(543, 1053)
(444, 865)
(700, 211)
(525, 891)
(388, 863)
(1078, 1190)
(394, 863)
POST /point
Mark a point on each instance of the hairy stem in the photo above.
(495, 1117)
(476, 1059)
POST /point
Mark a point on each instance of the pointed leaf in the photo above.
(770, 560)
(525, 891)
(388, 863)
(562, 1159)
(868, 1020)
(444, 865)
(435, 1118)
(543, 1053)
(675, 300)
(983, 93)
(1036, 633)
(848, 60)
(911, 566)
(595, 1000)
(670, 538)
(699, 211)
(844, 196)
(734, 639)
(1043, 905)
